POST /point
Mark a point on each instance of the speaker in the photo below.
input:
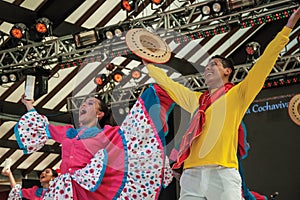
(41, 86)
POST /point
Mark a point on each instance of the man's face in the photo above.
(215, 74)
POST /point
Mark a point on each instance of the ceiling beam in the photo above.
(12, 144)
(13, 14)
(13, 111)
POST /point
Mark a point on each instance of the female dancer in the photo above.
(34, 193)
(100, 161)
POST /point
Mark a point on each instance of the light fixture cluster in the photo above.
(8, 76)
(14, 75)
(214, 8)
(268, 18)
(282, 82)
(39, 30)
(115, 74)
(96, 36)
(202, 34)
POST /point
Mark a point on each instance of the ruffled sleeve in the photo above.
(89, 178)
(31, 131)
(91, 175)
(15, 193)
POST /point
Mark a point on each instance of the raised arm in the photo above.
(27, 103)
(183, 96)
(293, 19)
(12, 181)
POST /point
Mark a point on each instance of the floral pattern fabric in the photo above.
(146, 167)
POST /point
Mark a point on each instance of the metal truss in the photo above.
(284, 67)
(182, 20)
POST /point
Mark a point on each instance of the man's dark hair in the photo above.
(227, 63)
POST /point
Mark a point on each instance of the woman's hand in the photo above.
(27, 103)
(6, 172)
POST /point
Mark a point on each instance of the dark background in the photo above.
(273, 160)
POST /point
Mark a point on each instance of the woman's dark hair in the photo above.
(107, 119)
(227, 63)
(54, 173)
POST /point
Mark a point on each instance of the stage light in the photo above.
(157, 2)
(206, 10)
(121, 111)
(202, 34)
(128, 5)
(253, 48)
(118, 75)
(216, 7)
(266, 19)
(213, 8)
(136, 73)
(100, 79)
(110, 66)
(239, 4)
(86, 38)
(109, 34)
(119, 32)
(18, 31)
(11, 76)
(43, 26)
(112, 32)
(4, 78)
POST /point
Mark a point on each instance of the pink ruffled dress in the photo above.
(120, 162)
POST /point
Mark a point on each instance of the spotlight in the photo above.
(119, 32)
(100, 79)
(121, 111)
(4, 78)
(43, 26)
(128, 5)
(157, 2)
(11, 76)
(136, 73)
(18, 31)
(217, 7)
(239, 4)
(112, 32)
(253, 48)
(206, 10)
(109, 34)
(118, 75)
(110, 66)
(86, 38)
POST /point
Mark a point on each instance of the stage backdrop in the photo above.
(273, 163)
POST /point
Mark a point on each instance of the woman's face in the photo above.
(46, 176)
(89, 112)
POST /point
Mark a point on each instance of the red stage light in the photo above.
(118, 76)
(18, 31)
(100, 79)
(128, 5)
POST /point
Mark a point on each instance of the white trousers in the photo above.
(210, 183)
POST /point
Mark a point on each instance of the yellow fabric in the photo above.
(217, 144)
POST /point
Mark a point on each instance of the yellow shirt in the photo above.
(217, 145)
